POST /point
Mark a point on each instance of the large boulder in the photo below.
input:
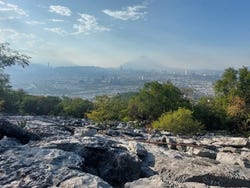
(8, 143)
(112, 163)
(25, 166)
(103, 157)
(47, 129)
(11, 130)
(180, 167)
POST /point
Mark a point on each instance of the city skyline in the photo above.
(203, 34)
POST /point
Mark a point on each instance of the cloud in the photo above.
(13, 36)
(87, 24)
(10, 18)
(56, 20)
(27, 43)
(34, 22)
(7, 7)
(61, 10)
(129, 13)
(56, 30)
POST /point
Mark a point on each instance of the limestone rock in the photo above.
(154, 181)
(81, 132)
(85, 181)
(237, 142)
(115, 165)
(137, 148)
(8, 143)
(203, 152)
(11, 130)
(70, 154)
(157, 182)
(35, 167)
(233, 159)
(180, 167)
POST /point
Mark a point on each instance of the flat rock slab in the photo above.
(237, 142)
(85, 181)
(35, 167)
(181, 167)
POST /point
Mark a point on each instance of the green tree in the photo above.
(40, 105)
(233, 97)
(180, 121)
(227, 85)
(30, 105)
(76, 107)
(205, 112)
(154, 99)
(110, 108)
(8, 57)
(13, 100)
(244, 84)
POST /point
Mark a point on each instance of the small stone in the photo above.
(138, 149)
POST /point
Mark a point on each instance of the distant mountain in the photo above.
(143, 63)
(147, 64)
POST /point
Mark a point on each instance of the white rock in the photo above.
(136, 148)
(82, 132)
(85, 181)
(233, 159)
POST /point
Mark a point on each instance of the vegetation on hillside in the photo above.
(161, 103)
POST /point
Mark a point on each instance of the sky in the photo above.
(190, 34)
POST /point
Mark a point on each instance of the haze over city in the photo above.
(201, 34)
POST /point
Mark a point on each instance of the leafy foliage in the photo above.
(13, 101)
(211, 117)
(233, 97)
(9, 57)
(179, 122)
(76, 107)
(110, 108)
(9, 99)
(40, 105)
(154, 99)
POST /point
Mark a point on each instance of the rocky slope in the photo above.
(57, 152)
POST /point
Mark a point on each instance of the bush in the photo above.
(40, 105)
(154, 99)
(179, 122)
(75, 107)
(108, 108)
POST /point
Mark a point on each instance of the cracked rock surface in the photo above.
(58, 152)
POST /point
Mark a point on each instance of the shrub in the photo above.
(154, 99)
(76, 107)
(179, 122)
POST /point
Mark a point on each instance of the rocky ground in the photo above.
(56, 152)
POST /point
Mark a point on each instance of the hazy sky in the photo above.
(176, 33)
